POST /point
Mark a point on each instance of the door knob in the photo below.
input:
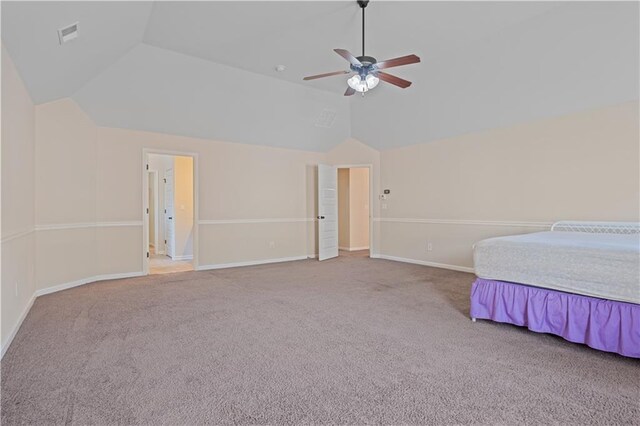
(170, 218)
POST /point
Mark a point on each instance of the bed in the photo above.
(580, 281)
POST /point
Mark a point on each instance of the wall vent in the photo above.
(68, 33)
(326, 119)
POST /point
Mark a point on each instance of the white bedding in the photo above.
(606, 266)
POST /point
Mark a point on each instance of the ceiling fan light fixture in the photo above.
(358, 84)
(367, 68)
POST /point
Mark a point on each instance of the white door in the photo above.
(169, 218)
(327, 212)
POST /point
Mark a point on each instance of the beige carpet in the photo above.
(347, 341)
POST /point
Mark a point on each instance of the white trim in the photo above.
(61, 226)
(12, 335)
(117, 224)
(424, 263)
(84, 281)
(16, 235)
(270, 220)
(353, 248)
(189, 257)
(465, 222)
(250, 263)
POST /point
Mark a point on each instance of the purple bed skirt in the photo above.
(606, 325)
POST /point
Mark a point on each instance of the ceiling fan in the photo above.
(368, 68)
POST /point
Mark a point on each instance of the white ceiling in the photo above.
(483, 64)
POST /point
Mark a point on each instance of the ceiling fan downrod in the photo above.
(363, 5)
(368, 60)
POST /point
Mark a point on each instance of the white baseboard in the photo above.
(250, 263)
(23, 315)
(182, 257)
(353, 248)
(84, 281)
(425, 263)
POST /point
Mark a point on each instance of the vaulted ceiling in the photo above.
(207, 69)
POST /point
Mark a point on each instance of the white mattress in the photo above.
(606, 266)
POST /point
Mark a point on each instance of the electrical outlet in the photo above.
(272, 244)
(384, 206)
(429, 247)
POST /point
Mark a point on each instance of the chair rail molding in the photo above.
(81, 225)
(472, 222)
(266, 220)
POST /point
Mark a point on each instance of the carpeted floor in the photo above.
(351, 340)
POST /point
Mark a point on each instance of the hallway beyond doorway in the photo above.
(162, 264)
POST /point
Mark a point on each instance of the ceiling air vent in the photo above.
(326, 119)
(68, 33)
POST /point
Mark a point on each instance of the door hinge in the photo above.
(165, 241)
(147, 167)
(147, 210)
(165, 211)
(165, 181)
(147, 255)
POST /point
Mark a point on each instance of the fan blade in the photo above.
(393, 79)
(349, 91)
(396, 62)
(348, 56)
(329, 74)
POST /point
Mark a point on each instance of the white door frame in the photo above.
(145, 201)
(371, 199)
(154, 175)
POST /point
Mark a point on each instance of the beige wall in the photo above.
(358, 208)
(577, 167)
(344, 235)
(353, 208)
(183, 206)
(17, 161)
(66, 195)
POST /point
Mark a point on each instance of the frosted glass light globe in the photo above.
(357, 84)
(372, 81)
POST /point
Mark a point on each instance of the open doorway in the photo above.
(170, 211)
(353, 211)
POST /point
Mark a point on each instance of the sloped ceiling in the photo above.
(51, 71)
(173, 93)
(207, 69)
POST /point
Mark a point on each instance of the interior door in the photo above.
(169, 217)
(327, 212)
